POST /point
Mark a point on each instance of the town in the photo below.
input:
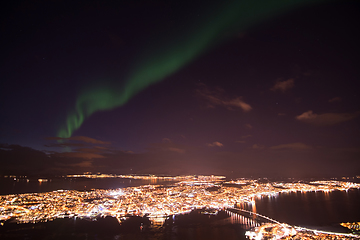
(153, 201)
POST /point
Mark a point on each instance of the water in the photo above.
(11, 186)
(313, 209)
(318, 210)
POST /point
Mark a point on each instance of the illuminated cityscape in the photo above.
(158, 202)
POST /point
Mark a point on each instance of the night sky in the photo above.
(236, 88)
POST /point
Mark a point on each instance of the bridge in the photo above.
(251, 220)
(248, 218)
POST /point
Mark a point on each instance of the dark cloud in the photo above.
(86, 150)
(166, 146)
(283, 86)
(80, 139)
(289, 159)
(16, 159)
(95, 149)
(325, 119)
(84, 155)
(217, 98)
(66, 144)
(335, 99)
(215, 144)
(291, 146)
(178, 150)
(246, 136)
(258, 146)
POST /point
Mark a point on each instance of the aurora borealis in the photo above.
(156, 67)
(177, 87)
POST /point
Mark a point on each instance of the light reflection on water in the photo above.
(312, 208)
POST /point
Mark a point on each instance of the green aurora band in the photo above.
(235, 16)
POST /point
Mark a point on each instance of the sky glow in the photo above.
(174, 87)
